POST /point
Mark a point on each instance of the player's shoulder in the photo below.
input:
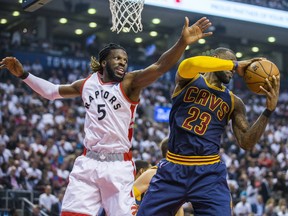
(129, 78)
(237, 99)
(238, 104)
(132, 74)
(79, 83)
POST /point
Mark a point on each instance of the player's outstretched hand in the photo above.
(193, 33)
(13, 65)
(242, 65)
(272, 92)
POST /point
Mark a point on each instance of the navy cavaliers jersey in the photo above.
(199, 115)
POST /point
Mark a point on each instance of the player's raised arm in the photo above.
(189, 35)
(44, 88)
(190, 67)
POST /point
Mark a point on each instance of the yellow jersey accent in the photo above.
(192, 160)
(214, 87)
(178, 92)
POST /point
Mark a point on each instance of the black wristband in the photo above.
(24, 75)
(267, 113)
(235, 65)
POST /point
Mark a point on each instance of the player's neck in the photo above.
(213, 80)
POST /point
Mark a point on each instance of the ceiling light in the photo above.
(138, 40)
(63, 20)
(92, 25)
(78, 31)
(201, 41)
(255, 49)
(125, 30)
(91, 11)
(3, 21)
(271, 39)
(20, 1)
(239, 55)
(15, 13)
(153, 33)
(156, 21)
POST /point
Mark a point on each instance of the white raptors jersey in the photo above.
(109, 116)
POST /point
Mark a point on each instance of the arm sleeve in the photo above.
(190, 67)
(44, 88)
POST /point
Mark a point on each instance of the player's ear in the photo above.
(103, 63)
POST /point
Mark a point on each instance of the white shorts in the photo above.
(94, 184)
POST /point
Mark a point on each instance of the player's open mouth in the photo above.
(120, 71)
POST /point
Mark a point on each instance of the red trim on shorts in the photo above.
(134, 171)
(131, 126)
(73, 214)
(84, 151)
(128, 156)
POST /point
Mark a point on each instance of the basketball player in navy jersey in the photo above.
(201, 108)
(104, 174)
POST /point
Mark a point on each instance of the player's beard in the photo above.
(111, 74)
(222, 77)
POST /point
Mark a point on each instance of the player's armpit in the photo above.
(190, 67)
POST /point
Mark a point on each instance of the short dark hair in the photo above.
(106, 50)
(216, 52)
(141, 164)
(222, 50)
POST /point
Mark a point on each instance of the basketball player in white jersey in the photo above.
(104, 174)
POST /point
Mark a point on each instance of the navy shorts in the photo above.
(205, 186)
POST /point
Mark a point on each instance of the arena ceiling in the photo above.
(226, 30)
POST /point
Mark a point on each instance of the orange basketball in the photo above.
(256, 74)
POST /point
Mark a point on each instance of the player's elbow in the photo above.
(183, 68)
(186, 69)
(246, 145)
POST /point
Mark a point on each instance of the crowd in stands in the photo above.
(274, 4)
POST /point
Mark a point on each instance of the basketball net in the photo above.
(126, 15)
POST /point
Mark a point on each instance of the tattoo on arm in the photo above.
(246, 135)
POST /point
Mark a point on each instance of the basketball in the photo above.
(256, 74)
